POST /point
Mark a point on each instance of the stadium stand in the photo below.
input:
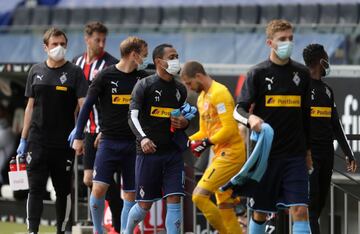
(132, 16)
(269, 12)
(309, 17)
(96, 14)
(329, 17)
(22, 16)
(210, 15)
(249, 17)
(290, 13)
(60, 16)
(78, 17)
(229, 15)
(113, 17)
(170, 17)
(224, 32)
(151, 16)
(349, 16)
(41, 16)
(190, 16)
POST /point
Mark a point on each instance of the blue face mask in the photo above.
(284, 49)
(144, 64)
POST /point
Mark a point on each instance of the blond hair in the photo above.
(277, 25)
(131, 44)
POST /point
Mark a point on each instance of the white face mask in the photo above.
(325, 64)
(57, 53)
(173, 67)
(144, 64)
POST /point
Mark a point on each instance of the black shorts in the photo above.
(159, 175)
(113, 155)
(90, 151)
(284, 184)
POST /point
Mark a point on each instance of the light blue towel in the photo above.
(256, 165)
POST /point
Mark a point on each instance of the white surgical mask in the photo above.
(325, 64)
(57, 53)
(284, 49)
(144, 64)
(173, 67)
(327, 71)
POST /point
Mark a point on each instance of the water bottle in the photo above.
(175, 113)
(12, 164)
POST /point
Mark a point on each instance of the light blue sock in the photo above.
(301, 227)
(256, 228)
(125, 213)
(97, 212)
(136, 215)
(173, 218)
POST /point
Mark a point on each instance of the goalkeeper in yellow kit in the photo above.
(219, 130)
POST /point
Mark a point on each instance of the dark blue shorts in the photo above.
(284, 184)
(112, 155)
(159, 175)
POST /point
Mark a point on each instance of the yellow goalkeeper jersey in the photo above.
(218, 125)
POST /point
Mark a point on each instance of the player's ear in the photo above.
(269, 42)
(86, 38)
(158, 62)
(45, 48)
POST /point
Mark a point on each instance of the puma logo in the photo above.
(158, 92)
(39, 77)
(115, 83)
(271, 80)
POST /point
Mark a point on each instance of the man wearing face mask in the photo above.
(159, 164)
(325, 126)
(113, 87)
(279, 88)
(54, 88)
(91, 62)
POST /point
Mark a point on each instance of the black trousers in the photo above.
(323, 162)
(43, 162)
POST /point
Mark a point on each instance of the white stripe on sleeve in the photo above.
(239, 117)
(134, 114)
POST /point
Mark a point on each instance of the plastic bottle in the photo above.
(22, 164)
(175, 113)
(12, 164)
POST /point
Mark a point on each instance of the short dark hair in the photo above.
(159, 51)
(95, 26)
(191, 68)
(313, 53)
(53, 32)
(131, 44)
